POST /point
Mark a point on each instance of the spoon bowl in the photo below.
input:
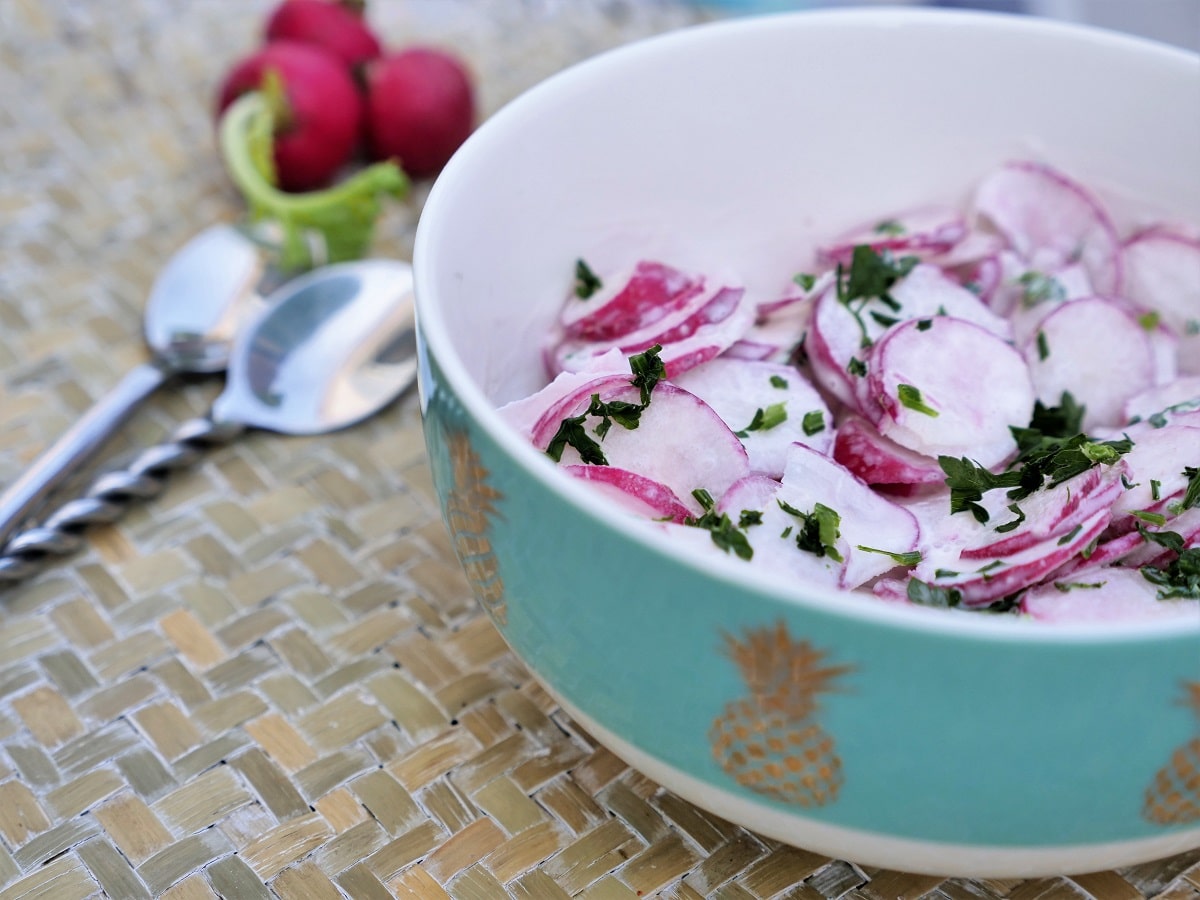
(333, 349)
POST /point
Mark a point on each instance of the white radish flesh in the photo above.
(1051, 221)
(923, 386)
(739, 390)
(867, 518)
(1095, 594)
(1094, 349)
(1162, 275)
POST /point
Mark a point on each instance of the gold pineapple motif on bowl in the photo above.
(470, 509)
(1173, 797)
(770, 740)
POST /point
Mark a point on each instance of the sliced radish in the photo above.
(1097, 351)
(925, 293)
(923, 386)
(879, 461)
(1095, 594)
(692, 334)
(640, 495)
(524, 414)
(789, 407)
(930, 231)
(1179, 396)
(679, 441)
(629, 302)
(984, 584)
(1155, 467)
(754, 492)
(1052, 222)
(1163, 276)
(867, 519)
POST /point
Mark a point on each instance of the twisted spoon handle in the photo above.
(110, 496)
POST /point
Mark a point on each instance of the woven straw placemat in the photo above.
(273, 681)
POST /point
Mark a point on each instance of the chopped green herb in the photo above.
(786, 532)
(869, 279)
(720, 527)
(1087, 551)
(1129, 485)
(910, 558)
(1155, 487)
(856, 367)
(813, 422)
(1149, 320)
(1180, 580)
(994, 564)
(648, 370)
(765, 419)
(1152, 517)
(1043, 345)
(1065, 586)
(1170, 539)
(819, 529)
(750, 517)
(627, 415)
(881, 319)
(805, 280)
(933, 595)
(1191, 496)
(945, 573)
(911, 397)
(586, 281)
(890, 227)
(1069, 536)
(1010, 526)
(924, 324)
(778, 381)
(968, 481)
(1038, 288)
(571, 432)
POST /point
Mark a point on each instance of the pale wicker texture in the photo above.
(273, 682)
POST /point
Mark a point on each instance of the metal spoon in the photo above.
(201, 295)
(331, 348)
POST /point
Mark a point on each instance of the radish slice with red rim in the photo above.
(1163, 278)
(629, 301)
(927, 232)
(642, 496)
(1051, 222)
(878, 461)
(929, 401)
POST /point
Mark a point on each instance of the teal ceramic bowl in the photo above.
(940, 742)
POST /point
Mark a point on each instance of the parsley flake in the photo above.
(586, 281)
(805, 280)
(911, 558)
(724, 533)
(648, 370)
(933, 595)
(856, 367)
(1039, 287)
(1191, 496)
(1043, 346)
(819, 529)
(765, 419)
(1065, 586)
(911, 398)
(1149, 320)
(869, 279)
(778, 381)
(813, 422)
(890, 227)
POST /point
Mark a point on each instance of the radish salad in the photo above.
(995, 409)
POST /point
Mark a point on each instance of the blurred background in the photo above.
(1173, 21)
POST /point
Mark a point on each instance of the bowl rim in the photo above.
(433, 330)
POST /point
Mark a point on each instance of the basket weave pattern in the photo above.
(274, 681)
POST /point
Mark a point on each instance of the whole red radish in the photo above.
(329, 24)
(420, 108)
(319, 129)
